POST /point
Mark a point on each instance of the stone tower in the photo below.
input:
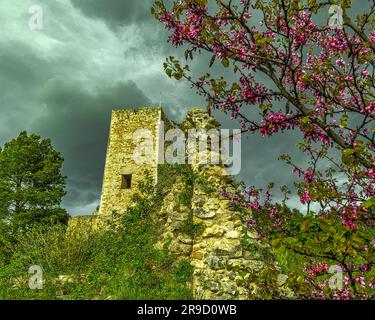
(122, 173)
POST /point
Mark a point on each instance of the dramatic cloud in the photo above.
(78, 120)
(116, 12)
(91, 57)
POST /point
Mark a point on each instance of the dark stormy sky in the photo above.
(90, 57)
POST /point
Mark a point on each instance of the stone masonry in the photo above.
(222, 263)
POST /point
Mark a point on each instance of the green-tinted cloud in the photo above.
(91, 57)
(116, 12)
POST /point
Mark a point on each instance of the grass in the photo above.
(111, 264)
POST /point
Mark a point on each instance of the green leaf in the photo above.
(326, 228)
(291, 240)
(357, 239)
(225, 62)
(263, 40)
(370, 203)
(276, 242)
(323, 237)
(305, 224)
(348, 152)
(235, 86)
(326, 221)
(344, 121)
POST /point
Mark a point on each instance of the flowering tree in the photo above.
(321, 82)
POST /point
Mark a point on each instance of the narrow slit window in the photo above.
(126, 181)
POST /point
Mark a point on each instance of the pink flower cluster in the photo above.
(349, 216)
(253, 93)
(273, 212)
(308, 176)
(305, 197)
(372, 36)
(316, 134)
(341, 295)
(314, 268)
(303, 28)
(275, 122)
(188, 30)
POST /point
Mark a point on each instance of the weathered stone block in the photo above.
(214, 231)
(213, 286)
(185, 239)
(180, 248)
(216, 262)
(233, 234)
(197, 255)
(230, 289)
(203, 214)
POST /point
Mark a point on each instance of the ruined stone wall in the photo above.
(211, 233)
(83, 225)
(218, 255)
(196, 222)
(208, 230)
(221, 262)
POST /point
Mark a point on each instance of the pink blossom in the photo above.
(340, 63)
(372, 36)
(361, 281)
(364, 73)
(305, 198)
(308, 177)
(273, 212)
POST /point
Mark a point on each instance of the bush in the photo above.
(120, 263)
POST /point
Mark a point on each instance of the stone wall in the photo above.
(197, 223)
(221, 261)
(218, 255)
(222, 264)
(83, 225)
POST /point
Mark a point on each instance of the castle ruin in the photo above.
(225, 254)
